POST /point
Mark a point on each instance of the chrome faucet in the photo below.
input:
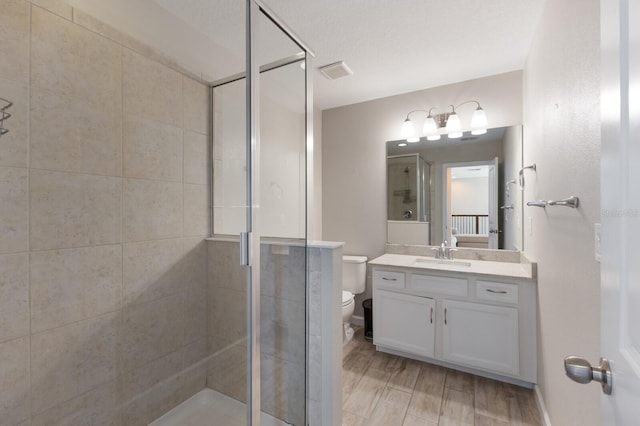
(443, 251)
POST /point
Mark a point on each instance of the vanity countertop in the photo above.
(484, 267)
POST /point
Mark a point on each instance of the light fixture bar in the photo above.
(450, 121)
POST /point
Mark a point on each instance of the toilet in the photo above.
(354, 274)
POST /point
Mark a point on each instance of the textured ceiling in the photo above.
(406, 45)
(393, 47)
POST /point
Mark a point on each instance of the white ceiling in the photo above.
(393, 46)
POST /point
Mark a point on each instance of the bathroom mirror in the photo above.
(470, 188)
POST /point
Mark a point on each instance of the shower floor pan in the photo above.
(211, 408)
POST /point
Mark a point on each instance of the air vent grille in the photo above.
(336, 70)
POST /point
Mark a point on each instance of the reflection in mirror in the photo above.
(408, 188)
(468, 205)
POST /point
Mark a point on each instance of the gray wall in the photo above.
(562, 136)
(353, 154)
(103, 212)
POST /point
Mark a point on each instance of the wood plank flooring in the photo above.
(387, 390)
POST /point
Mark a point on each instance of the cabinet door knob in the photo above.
(389, 279)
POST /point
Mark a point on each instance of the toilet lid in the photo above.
(346, 297)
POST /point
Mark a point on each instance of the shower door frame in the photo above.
(250, 240)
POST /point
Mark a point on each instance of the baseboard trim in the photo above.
(357, 320)
(546, 420)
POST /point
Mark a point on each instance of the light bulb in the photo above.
(413, 139)
(479, 122)
(407, 129)
(430, 127)
(402, 144)
(435, 137)
(455, 135)
(478, 119)
(453, 124)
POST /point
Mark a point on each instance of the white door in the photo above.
(620, 200)
(494, 229)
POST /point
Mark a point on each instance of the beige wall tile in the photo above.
(196, 210)
(14, 49)
(194, 301)
(151, 330)
(227, 372)
(152, 210)
(14, 381)
(196, 158)
(150, 89)
(196, 106)
(152, 150)
(73, 131)
(68, 361)
(14, 222)
(223, 263)
(15, 143)
(66, 58)
(95, 25)
(195, 253)
(68, 134)
(227, 314)
(135, 382)
(74, 284)
(99, 406)
(14, 296)
(195, 289)
(58, 7)
(152, 270)
(74, 210)
(139, 380)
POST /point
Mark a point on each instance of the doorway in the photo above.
(470, 203)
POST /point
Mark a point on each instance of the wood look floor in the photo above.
(388, 390)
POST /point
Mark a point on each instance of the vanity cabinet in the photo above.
(479, 335)
(405, 322)
(473, 322)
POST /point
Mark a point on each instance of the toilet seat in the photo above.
(347, 298)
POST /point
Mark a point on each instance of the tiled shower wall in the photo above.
(103, 211)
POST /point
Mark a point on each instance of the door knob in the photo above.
(580, 370)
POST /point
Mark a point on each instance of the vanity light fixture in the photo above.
(448, 122)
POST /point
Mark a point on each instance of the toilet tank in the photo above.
(354, 273)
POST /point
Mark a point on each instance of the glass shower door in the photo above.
(282, 219)
(261, 123)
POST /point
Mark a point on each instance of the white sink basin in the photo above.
(425, 260)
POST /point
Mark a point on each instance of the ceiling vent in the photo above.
(335, 70)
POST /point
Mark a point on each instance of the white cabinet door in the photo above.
(482, 336)
(404, 322)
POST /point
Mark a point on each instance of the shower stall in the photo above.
(153, 214)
